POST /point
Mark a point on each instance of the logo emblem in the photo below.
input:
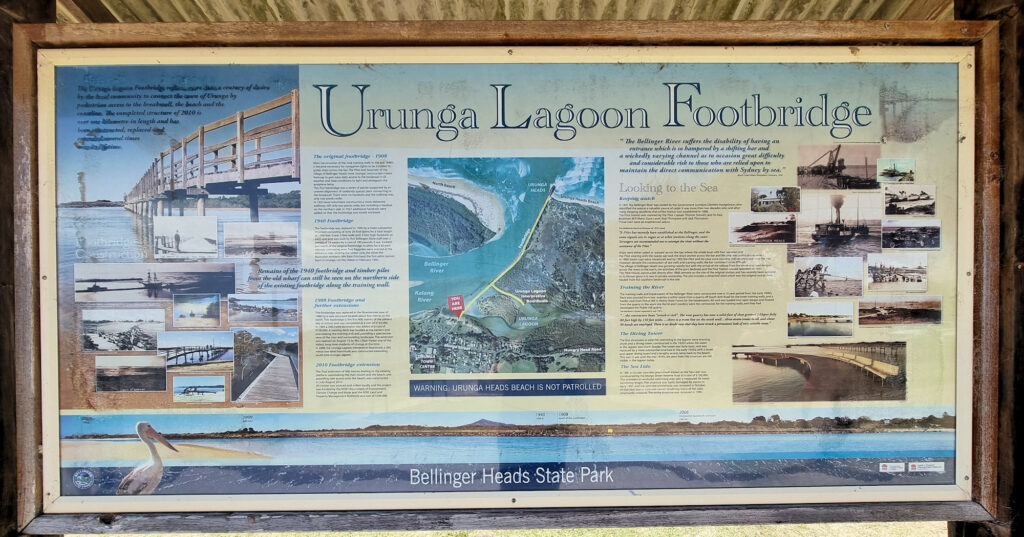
(83, 479)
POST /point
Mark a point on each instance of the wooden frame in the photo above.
(981, 35)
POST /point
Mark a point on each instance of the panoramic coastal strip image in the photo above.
(506, 260)
(134, 282)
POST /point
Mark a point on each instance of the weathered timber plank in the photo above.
(498, 518)
(514, 32)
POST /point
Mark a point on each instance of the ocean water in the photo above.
(820, 329)
(490, 449)
(756, 382)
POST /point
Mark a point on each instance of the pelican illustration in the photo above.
(145, 477)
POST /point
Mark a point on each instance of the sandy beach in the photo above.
(485, 205)
(93, 450)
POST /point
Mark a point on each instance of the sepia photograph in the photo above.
(838, 225)
(855, 371)
(130, 374)
(909, 199)
(920, 234)
(819, 319)
(907, 272)
(762, 228)
(261, 239)
(196, 311)
(886, 310)
(141, 282)
(121, 329)
(199, 389)
(187, 351)
(263, 308)
(895, 170)
(184, 236)
(775, 199)
(838, 167)
(828, 276)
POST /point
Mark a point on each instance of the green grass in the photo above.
(869, 529)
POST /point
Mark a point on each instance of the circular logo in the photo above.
(83, 479)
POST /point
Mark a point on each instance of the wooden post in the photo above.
(254, 203)
(240, 146)
(201, 141)
(296, 163)
(201, 205)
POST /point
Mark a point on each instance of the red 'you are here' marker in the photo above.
(455, 305)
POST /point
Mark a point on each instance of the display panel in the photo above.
(649, 273)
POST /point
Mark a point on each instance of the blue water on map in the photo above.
(490, 449)
(509, 179)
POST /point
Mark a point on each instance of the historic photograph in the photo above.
(912, 234)
(184, 236)
(885, 310)
(906, 272)
(775, 199)
(896, 170)
(840, 166)
(263, 308)
(121, 329)
(140, 282)
(762, 228)
(123, 373)
(828, 276)
(909, 199)
(838, 225)
(261, 239)
(196, 311)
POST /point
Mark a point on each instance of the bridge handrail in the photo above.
(178, 168)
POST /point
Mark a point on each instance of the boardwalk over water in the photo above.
(279, 381)
(234, 155)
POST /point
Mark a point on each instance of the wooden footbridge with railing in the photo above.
(234, 155)
(883, 361)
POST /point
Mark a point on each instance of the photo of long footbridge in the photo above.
(834, 372)
(235, 155)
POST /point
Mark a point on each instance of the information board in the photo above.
(343, 278)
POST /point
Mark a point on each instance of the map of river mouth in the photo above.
(507, 265)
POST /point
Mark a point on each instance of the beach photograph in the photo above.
(828, 276)
(909, 199)
(819, 319)
(196, 351)
(855, 371)
(142, 282)
(184, 236)
(762, 228)
(121, 329)
(198, 389)
(263, 308)
(196, 311)
(889, 310)
(912, 234)
(775, 199)
(840, 166)
(266, 366)
(261, 239)
(838, 224)
(895, 170)
(903, 272)
(122, 373)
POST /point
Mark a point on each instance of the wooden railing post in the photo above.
(295, 134)
(240, 146)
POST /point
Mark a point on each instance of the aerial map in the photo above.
(506, 263)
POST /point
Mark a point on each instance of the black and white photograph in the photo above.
(838, 167)
(122, 373)
(838, 224)
(142, 282)
(184, 236)
(888, 310)
(261, 239)
(762, 228)
(775, 199)
(901, 272)
(121, 329)
(912, 234)
(828, 276)
(903, 199)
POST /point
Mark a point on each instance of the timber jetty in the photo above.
(235, 156)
